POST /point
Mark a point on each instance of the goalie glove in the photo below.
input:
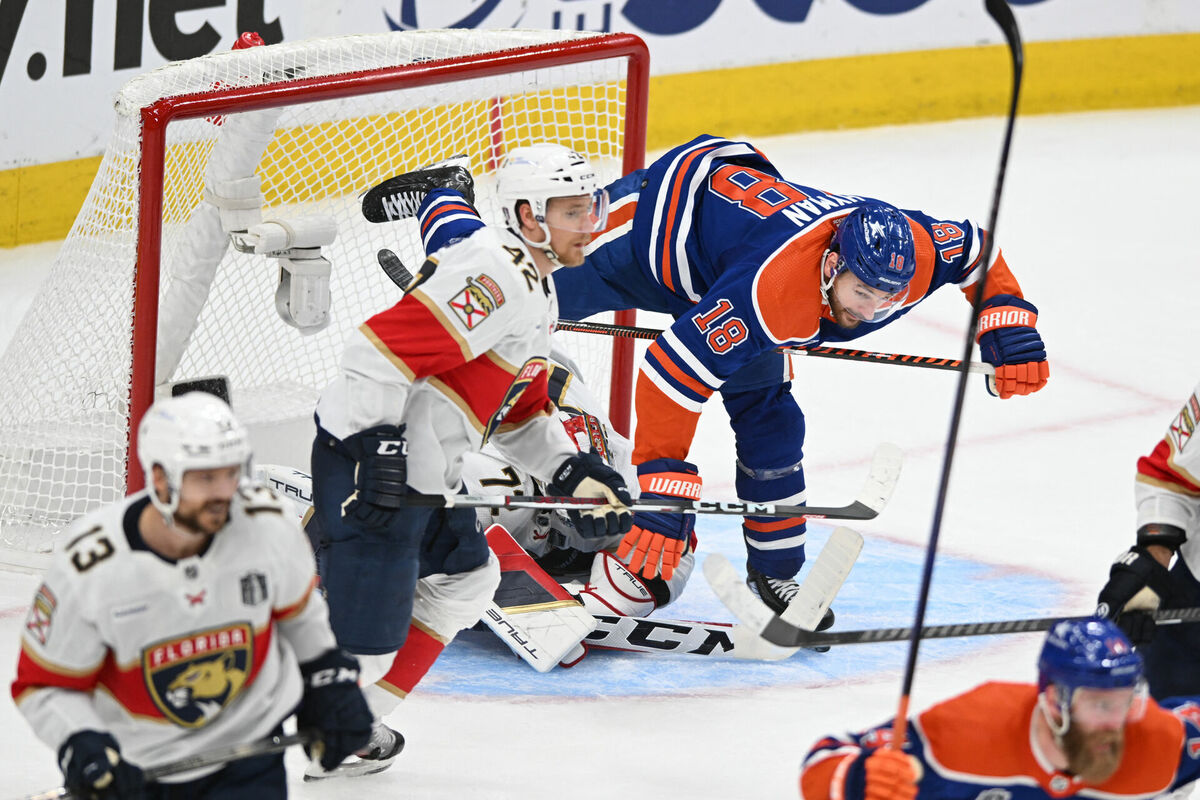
(92, 766)
(1009, 341)
(380, 475)
(661, 537)
(586, 475)
(1137, 584)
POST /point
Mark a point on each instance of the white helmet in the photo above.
(196, 430)
(537, 172)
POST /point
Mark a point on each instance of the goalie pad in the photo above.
(530, 612)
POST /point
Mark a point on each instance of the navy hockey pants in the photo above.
(258, 778)
(1173, 656)
(370, 577)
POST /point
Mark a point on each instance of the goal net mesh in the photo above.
(65, 401)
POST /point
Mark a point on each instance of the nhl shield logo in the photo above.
(192, 678)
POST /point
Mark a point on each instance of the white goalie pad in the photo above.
(530, 612)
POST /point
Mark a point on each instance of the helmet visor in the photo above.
(861, 301)
(1108, 708)
(578, 213)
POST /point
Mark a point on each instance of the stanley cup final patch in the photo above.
(191, 678)
(478, 299)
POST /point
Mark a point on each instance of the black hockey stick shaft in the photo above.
(820, 351)
(802, 638)
(221, 755)
(1002, 14)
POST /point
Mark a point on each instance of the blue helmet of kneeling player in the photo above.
(1090, 654)
(875, 243)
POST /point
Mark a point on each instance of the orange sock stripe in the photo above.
(773, 525)
(413, 660)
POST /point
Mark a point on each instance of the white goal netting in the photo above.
(318, 122)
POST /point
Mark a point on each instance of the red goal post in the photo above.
(332, 117)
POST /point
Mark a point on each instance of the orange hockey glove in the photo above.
(1009, 341)
(664, 537)
(891, 775)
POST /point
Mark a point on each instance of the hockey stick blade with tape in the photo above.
(812, 599)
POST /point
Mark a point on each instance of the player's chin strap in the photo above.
(544, 247)
(827, 282)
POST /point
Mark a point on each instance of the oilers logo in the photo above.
(192, 678)
(414, 15)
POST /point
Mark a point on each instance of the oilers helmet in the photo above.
(1089, 654)
(875, 243)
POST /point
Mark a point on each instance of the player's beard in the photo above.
(1093, 755)
(204, 520)
(841, 316)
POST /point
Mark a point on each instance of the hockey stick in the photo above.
(814, 596)
(797, 637)
(220, 755)
(929, 362)
(881, 481)
(1002, 14)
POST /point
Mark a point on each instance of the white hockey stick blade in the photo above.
(825, 578)
(881, 480)
(683, 637)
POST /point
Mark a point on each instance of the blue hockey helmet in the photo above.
(1092, 653)
(875, 243)
(1089, 654)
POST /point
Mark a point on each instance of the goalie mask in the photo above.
(193, 431)
(540, 172)
(1086, 655)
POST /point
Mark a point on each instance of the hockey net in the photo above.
(146, 289)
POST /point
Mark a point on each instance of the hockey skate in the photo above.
(385, 744)
(776, 593)
(400, 196)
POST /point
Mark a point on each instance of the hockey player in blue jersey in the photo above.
(1087, 729)
(746, 262)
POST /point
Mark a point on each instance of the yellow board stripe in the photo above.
(39, 203)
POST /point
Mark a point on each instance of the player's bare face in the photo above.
(571, 221)
(204, 498)
(851, 301)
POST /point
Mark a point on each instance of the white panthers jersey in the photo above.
(173, 658)
(1168, 480)
(461, 360)
(583, 417)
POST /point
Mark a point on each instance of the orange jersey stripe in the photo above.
(675, 372)
(773, 525)
(787, 289)
(673, 206)
(617, 218)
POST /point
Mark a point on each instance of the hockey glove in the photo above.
(379, 476)
(92, 766)
(1009, 341)
(1137, 583)
(334, 707)
(891, 775)
(661, 536)
(586, 475)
